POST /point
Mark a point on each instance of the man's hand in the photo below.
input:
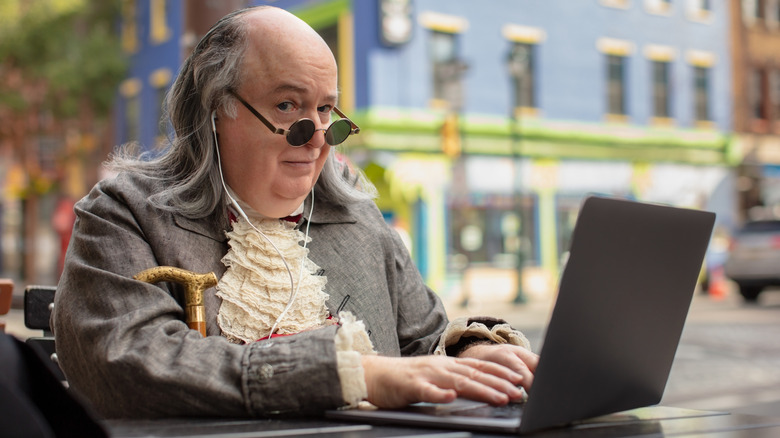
(394, 382)
(516, 358)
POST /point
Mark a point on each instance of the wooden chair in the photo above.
(6, 296)
(38, 305)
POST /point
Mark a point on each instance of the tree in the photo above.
(60, 65)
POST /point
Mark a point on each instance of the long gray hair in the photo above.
(188, 167)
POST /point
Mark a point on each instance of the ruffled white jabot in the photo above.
(256, 287)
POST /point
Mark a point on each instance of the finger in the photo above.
(525, 364)
(530, 358)
(511, 357)
(431, 393)
(471, 382)
(522, 368)
(495, 368)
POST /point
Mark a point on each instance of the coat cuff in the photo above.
(464, 332)
(352, 342)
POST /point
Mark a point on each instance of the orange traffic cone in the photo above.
(717, 289)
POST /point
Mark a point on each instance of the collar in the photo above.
(214, 226)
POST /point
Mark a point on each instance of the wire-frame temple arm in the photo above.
(355, 128)
(268, 124)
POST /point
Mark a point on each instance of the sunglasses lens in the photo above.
(300, 132)
(338, 132)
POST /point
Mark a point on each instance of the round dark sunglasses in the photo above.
(303, 130)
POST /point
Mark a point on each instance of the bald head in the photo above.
(278, 39)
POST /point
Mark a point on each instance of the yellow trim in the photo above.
(130, 87)
(129, 27)
(523, 34)
(700, 58)
(439, 104)
(700, 15)
(443, 22)
(346, 32)
(705, 124)
(662, 121)
(657, 52)
(159, 32)
(522, 112)
(612, 46)
(620, 4)
(160, 78)
(616, 118)
(658, 7)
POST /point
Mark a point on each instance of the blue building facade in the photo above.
(484, 124)
(151, 34)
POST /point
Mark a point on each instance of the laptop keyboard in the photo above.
(511, 410)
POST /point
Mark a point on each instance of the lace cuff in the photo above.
(351, 343)
(464, 332)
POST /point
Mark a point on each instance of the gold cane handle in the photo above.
(194, 286)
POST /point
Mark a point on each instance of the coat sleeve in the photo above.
(420, 314)
(124, 345)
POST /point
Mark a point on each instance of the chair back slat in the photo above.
(38, 302)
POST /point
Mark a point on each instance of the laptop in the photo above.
(622, 302)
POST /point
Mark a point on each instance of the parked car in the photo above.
(754, 258)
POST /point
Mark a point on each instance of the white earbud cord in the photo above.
(300, 273)
(293, 288)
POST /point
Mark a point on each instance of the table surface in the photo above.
(711, 424)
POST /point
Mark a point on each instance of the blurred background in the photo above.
(483, 125)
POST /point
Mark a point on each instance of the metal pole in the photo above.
(516, 67)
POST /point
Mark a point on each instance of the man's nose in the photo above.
(317, 140)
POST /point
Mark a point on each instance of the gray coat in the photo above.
(124, 345)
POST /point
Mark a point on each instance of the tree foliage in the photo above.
(60, 54)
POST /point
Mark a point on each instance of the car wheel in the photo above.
(749, 293)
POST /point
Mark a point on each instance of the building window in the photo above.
(494, 234)
(752, 11)
(758, 95)
(520, 63)
(772, 12)
(661, 106)
(446, 66)
(701, 93)
(130, 89)
(616, 87)
(616, 53)
(758, 9)
(132, 119)
(160, 81)
(775, 11)
(660, 63)
(699, 10)
(447, 69)
(774, 89)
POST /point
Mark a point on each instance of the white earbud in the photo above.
(213, 122)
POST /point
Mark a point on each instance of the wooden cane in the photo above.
(194, 286)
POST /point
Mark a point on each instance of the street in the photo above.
(728, 358)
